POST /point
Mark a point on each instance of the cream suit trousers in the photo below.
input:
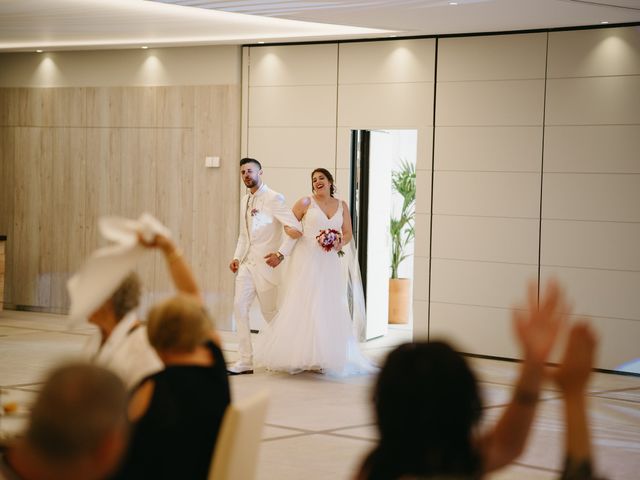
(245, 293)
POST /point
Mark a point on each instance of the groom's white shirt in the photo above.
(262, 217)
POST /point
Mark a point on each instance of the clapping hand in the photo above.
(573, 372)
(537, 327)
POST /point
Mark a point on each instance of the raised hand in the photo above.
(537, 327)
(577, 362)
(158, 241)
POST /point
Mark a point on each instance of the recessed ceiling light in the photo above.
(453, 4)
(39, 51)
(604, 22)
(393, 36)
(261, 43)
(144, 47)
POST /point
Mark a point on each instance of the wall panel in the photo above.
(492, 57)
(397, 61)
(486, 199)
(491, 149)
(67, 241)
(33, 220)
(493, 194)
(386, 106)
(294, 65)
(294, 147)
(7, 200)
(589, 53)
(114, 134)
(121, 107)
(289, 106)
(496, 103)
(591, 183)
(593, 101)
(592, 149)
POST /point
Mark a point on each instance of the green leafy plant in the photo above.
(403, 181)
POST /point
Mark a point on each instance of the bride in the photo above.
(313, 329)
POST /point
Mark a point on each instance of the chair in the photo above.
(235, 456)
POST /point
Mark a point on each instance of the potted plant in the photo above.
(403, 181)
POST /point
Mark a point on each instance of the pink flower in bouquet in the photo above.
(328, 239)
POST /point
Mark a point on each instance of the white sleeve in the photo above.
(241, 246)
(286, 217)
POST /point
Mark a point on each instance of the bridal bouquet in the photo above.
(327, 239)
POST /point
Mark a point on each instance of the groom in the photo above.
(261, 248)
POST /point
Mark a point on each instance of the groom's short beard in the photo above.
(251, 183)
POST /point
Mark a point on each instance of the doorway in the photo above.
(382, 198)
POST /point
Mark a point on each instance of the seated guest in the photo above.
(121, 343)
(77, 429)
(176, 413)
(428, 405)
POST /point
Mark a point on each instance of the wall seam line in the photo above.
(544, 112)
(433, 158)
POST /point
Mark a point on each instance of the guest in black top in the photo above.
(177, 412)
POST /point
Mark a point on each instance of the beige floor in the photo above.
(319, 428)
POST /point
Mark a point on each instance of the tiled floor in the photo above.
(319, 427)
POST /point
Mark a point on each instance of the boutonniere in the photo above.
(254, 212)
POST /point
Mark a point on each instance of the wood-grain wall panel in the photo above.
(208, 214)
(32, 232)
(68, 107)
(121, 107)
(103, 180)
(68, 199)
(7, 213)
(81, 153)
(138, 190)
(174, 194)
(175, 107)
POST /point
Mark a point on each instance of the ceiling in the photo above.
(89, 24)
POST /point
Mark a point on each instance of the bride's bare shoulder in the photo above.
(301, 206)
(303, 202)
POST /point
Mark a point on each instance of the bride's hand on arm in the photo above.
(347, 231)
(292, 232)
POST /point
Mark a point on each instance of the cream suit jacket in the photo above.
(263, 216)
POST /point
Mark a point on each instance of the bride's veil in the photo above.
(355, 291)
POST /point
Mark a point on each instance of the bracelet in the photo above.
(175, 254)
(280, 256)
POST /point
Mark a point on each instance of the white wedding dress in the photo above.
(313, 328)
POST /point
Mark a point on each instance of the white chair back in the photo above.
(235, 456)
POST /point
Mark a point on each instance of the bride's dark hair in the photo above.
(327, 174)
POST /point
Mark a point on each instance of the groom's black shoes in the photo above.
(245, 372)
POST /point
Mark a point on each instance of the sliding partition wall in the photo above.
(533, 140)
